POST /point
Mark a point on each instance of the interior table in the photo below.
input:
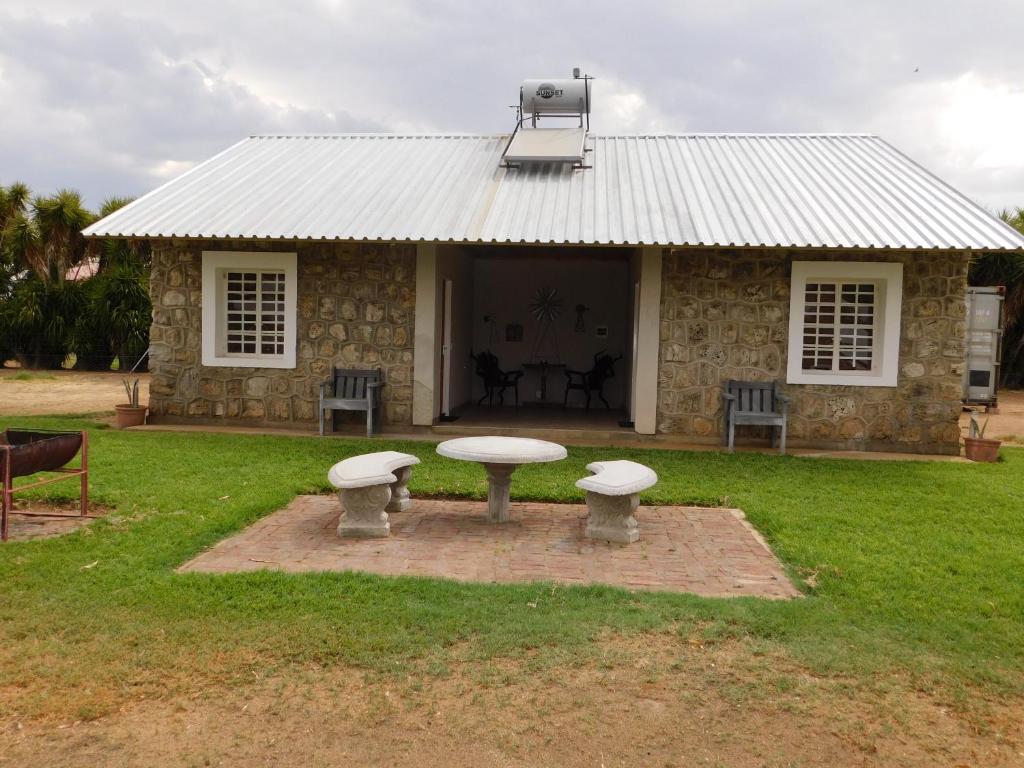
(543, 368)
(500, 457)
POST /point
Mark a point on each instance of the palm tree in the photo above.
(1006, 268)
(13, 204)
(60, 220)
(13, 201)
(41, 240)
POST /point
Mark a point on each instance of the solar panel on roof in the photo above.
(550, 145)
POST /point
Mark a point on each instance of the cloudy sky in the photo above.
(114, 98)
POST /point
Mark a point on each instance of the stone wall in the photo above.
(355, 308)
(725, 315)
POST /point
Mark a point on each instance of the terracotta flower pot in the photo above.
(130, 415)
(981, 449)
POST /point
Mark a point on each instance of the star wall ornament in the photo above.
(546, 304)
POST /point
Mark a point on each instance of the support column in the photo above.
(400, 499)
(645, 376)
(425, 343)
(499, 482)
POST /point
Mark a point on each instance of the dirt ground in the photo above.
(49, 519)
(63, 392)
(1008, 423)
(658, 701)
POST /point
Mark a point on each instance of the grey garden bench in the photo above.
(754, 403)
(370, 486)
(352, 390)
(613, 495)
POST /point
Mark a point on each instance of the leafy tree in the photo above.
(13, 204)
(60, 220)
(120, 312)
(41, 240)
(40, 317)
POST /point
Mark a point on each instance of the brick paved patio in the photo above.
(711, 552)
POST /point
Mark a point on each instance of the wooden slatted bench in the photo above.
(370, 486)
(754, 403)
(351, 389)
(613, 495)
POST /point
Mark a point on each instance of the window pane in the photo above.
(838, 333)
(254, 316)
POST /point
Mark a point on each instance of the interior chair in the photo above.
(591, 381)
(496, 381)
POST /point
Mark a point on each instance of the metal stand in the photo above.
(65, 473)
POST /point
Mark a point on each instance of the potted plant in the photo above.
(976, 446)
(130, 414)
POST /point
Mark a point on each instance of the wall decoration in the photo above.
(513, 332)
(492, 330)
(581, 325)
(601, 331)
(546, 306)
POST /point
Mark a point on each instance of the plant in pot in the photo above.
(130, 414)
(976, 446)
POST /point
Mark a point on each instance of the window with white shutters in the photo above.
(844, 324)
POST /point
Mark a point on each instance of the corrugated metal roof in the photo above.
(821, 190)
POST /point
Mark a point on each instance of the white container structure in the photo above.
(984, 337)
(562, 96)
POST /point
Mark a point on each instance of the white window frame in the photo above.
(216, 264)
(888, 279)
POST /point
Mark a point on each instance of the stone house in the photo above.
(831, 263)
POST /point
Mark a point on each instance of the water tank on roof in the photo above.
(553, 96)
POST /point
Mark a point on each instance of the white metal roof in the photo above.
(674, 190)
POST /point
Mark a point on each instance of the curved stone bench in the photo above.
(613, 494)
(370, 486)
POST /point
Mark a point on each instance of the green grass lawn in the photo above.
(916, 568)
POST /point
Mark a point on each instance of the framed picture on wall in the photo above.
(513, 332)
(601, 331)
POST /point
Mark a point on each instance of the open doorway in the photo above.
(560, 322)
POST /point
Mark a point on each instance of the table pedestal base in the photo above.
(499, 479)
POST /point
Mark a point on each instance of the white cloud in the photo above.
(625, 108)
(984, 119)
(114, 98)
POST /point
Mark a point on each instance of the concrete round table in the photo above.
(500, 457)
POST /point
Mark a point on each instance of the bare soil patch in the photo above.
(1008, 423)
(657, 700)
(63, 392)
(48, 518)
